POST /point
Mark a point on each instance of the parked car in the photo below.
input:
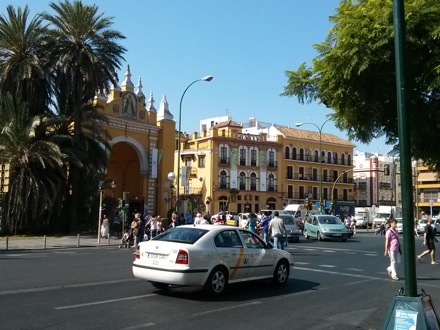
(211, 257)
(292, 228)
(399, 226)
(422, 224)
(324, 226)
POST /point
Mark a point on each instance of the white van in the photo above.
(300, 212)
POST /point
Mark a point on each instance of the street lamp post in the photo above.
(207, 78)
(102, 185)
(319, 158)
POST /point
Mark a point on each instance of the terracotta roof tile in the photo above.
(229, 123)
(312, 136)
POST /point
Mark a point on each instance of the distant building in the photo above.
(244, 167)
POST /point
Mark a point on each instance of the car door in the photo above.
(312, 226)
(232, 253)
(260, 258)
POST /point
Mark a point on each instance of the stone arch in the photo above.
(139, 149)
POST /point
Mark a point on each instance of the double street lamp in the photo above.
(320, 158)
(207, 78)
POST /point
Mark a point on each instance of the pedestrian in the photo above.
(198, 219)
(392, 248)
(429, 240)
(153, 222)
(278, 231)
(174, 221)
(264, 224)
(105, 227)
(252, 222)
(141, 229)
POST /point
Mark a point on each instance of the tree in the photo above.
(84, 52)
(23, 65)
(36, 165)
(354, 74)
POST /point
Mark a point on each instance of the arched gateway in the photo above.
(143, 144)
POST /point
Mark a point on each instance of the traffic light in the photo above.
(386, 169)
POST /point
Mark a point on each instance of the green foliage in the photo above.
(354, 73)
(53, 138)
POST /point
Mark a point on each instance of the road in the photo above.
(334, 285)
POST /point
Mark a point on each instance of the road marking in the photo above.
(59, 287)
(339, 273)
(140, 326)
(105, 301)
(225, 308)
(327, 266)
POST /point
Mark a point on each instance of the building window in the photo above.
(287, 153)
(224, 155)
(289, 191)
(289, 172)
(254, 157)
(223, 180)
(301, 154)
(271, 183)
(201, 161)
(301, 192)
(329, 157)
(242, 181)
(294, 155)
(316, 156)
(272, 159)
(242, 156)
(253, 182)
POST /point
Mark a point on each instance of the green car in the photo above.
(323, 226)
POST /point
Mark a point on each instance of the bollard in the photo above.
(7, 243)
(44, 244)
(77, 240)
(108, 239)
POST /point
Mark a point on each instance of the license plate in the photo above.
(336, 234)
(156, 256)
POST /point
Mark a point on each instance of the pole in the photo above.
(207, 78)
(99, 215)
(405, 153)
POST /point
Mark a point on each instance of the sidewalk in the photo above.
(52, 242)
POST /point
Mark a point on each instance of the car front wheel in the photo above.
(281, 273)
(306, 235)
(217, 282)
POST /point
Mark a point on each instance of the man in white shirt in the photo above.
(198, 219)
(278, 231)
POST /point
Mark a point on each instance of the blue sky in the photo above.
(246, 45)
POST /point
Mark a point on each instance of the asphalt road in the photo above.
(334, 285)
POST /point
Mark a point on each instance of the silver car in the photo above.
(292, 228)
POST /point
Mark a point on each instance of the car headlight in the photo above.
(325, 229)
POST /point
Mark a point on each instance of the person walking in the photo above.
(392, 248)
(198, 219)
(252, 222)
(153, 222)
(105, 227)
(278, 231)
(429, 240)
(264, 224)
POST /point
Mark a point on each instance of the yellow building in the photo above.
(142, 150)
(237, 169)
(427, 189)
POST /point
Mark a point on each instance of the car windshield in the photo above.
(182, 235)
(383, 215)
(329, 220)
(288, 220)
(423, 221)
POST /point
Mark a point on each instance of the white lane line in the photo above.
(140, 326)
(327, 266)
(339, 273)
(226, 308)
(355, 269)
(105, 301)
(59, 287)
(329, 251)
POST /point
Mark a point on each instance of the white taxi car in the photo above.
(211, 257)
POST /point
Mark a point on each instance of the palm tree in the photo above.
(84, 54)
(23, 66)
(36, 164)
